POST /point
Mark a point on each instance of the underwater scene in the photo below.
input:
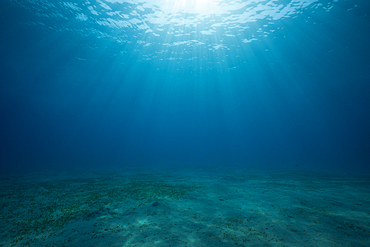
(186, 123)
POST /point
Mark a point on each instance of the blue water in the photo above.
(279, 84)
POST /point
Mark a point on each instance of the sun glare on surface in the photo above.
(203, 7)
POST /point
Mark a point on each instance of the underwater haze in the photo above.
(115, 83)
(187, 123)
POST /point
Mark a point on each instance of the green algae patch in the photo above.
(171, 209)
(33, 212)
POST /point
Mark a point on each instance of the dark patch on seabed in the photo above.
(244, 208)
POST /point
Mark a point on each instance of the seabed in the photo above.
(178, 208)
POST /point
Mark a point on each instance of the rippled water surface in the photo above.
(181, 29)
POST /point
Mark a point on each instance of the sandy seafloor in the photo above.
(206, 207)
